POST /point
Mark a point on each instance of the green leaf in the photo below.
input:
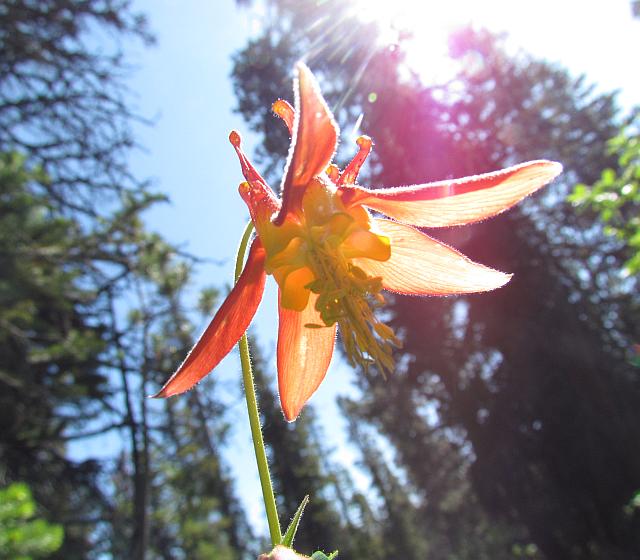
(579, 195)
(290, 534)
(21, 536)
(322, 556)
(608, 177)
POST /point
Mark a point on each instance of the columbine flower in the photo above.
(331, 258)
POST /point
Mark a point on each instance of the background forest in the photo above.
(510, 429)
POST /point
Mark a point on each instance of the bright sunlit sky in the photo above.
(183, 84)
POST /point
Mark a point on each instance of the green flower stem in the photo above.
(254, 417)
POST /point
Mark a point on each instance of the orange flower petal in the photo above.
(315, 136)
(460, 201)
(226, 328)
(304, 354)
(420, 265)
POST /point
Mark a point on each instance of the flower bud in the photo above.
(282, 553)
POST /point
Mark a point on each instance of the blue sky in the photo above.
(183, 84)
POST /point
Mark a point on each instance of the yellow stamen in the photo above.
(347, 296)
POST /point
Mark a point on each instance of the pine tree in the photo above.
(49, 363)
(542, 420)
(90, 297)
(187, 507)
(63, 102)
(521, 372)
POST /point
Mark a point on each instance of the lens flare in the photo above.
(424, 27)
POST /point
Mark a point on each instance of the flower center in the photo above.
(315, 256)
(347, 296)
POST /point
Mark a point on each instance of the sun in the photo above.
(428, 25)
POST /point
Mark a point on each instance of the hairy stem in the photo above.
(254, 417)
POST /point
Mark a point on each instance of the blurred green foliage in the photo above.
(615, 197)
(22, 536)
